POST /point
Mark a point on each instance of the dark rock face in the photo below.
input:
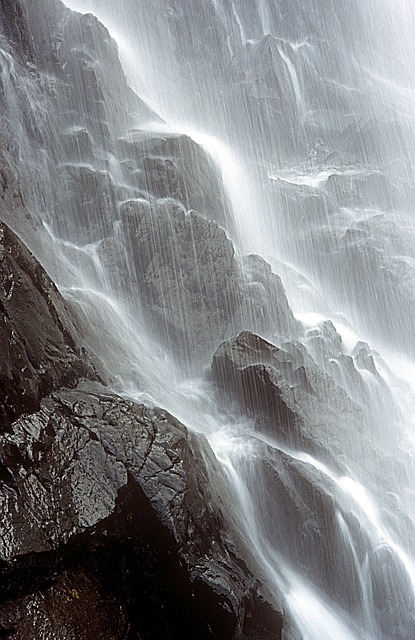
(13, 26)
(304, 415)
(111, 503)
(296, 497)
(154, 201)
(39, 350)
(73, 607)
(11, 199)
(292, 398)
(186, 268)
(113, 527)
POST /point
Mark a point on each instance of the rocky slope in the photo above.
(39, 349)
(111, 526)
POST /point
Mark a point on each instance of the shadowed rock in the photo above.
(174, 166)
(39, 348)
(291, 397)
(113, 500)
(186, 269)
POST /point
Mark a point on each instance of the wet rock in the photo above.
(14, 26)
(186, 269)
(73, 607)
(263, 81)
(79, 50)
(193, 285)
(11, 198)
(39, 345)
(264, 308)
(89, 199)
(363, 188)
(112, 502)
(291, 397)
(174, 166)
(299, 497)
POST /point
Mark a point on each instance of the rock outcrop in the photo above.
(39, 341)
(172, 165)
(187, 272)
(292, 399)
(115, 518)
(111, 504)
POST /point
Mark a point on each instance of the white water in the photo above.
(315, 615)
(287, 225)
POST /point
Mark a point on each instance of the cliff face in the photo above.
(39, 347)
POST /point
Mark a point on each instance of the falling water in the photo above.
(305, 111)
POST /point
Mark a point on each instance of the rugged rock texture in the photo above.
(357, 243)
(11, 198)
(262, 79)
(14, 26)
(302, 419)
(153, 201)
(297, 509)
(186, 269)
(74, 606)
(110, 525)
(173, 166)
(292, 398)
(264, 308)
(110, 503)
(39, 349)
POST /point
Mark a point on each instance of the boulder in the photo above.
(290, 396)
(264, 308)
(111, 503)
(171, 165)
(186, 270)
(297, 512)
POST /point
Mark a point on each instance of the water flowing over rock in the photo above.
(109, 503)
(40, 350)
(292, 398)
(185, 184)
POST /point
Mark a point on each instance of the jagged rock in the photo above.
(73, 607)
(39, 348)
(261, 78)
(292, 398)
(89, 196)
(174, 166)
(298, 497)
(264, 308)
(114, 501)
(79, 50)
(186, 268)
(14, 26)
(11, 199)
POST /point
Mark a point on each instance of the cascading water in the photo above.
(309, 120)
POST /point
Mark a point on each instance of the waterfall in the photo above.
(265, 140)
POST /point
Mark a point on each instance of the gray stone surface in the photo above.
(40, 350)
(186, 268)
(90, 471)
(291, 397)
